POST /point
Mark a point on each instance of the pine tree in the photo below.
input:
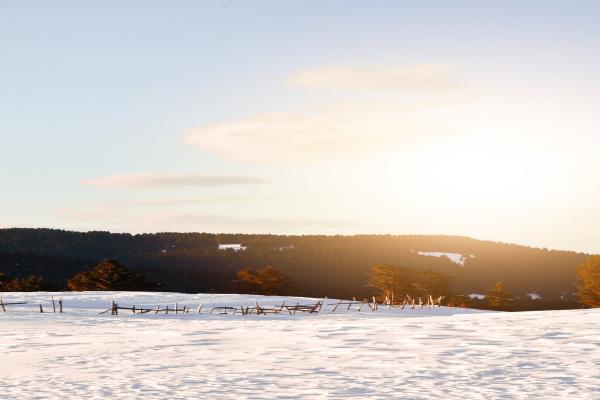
(432, 283)
(266, 281)
(498, 298)
(107, 275)
(32, 283)
(389, 279)
(588, 277)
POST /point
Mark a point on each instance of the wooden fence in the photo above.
(242, 310)
(289, 309)
(59, 303)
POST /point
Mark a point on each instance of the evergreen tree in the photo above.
(498, 298)
(432, 283)
(266, 281)
(31, 283)
(588, 275)
(402, 281)
(389, 279)
(107, 275)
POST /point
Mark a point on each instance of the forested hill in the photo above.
(318, 265)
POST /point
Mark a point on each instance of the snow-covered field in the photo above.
(415, 354)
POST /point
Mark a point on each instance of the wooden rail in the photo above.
(3, 305)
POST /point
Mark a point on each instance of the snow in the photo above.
(282, 248)
(456, 258)
(417, 354)
(477, 296)
(233, 246)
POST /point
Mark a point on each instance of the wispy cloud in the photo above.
(418, 77)
(168, 202)
(372, 123)
(148, 180)
(337, 132)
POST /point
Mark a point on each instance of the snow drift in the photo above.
(440, 353)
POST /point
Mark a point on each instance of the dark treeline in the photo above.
(317, 265)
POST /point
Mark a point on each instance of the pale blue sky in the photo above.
(303, 117)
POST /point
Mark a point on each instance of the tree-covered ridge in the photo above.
(318, 265)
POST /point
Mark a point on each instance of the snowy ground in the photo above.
(441, 353)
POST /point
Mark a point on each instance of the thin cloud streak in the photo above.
(418, 77)
(338, 132)
(362, 128)
(168, 202)
(149, 180)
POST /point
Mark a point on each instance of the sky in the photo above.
(331, 117)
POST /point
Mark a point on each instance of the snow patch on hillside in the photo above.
(477, 296)
(456, 258)
(233, 246)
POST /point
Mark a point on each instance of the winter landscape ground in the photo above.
(416, 354)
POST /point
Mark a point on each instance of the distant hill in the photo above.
(319, 265)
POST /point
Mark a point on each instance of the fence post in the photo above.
(361, 304)
(336, 306)
(317, 307)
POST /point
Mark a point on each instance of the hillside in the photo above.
(318, 265)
